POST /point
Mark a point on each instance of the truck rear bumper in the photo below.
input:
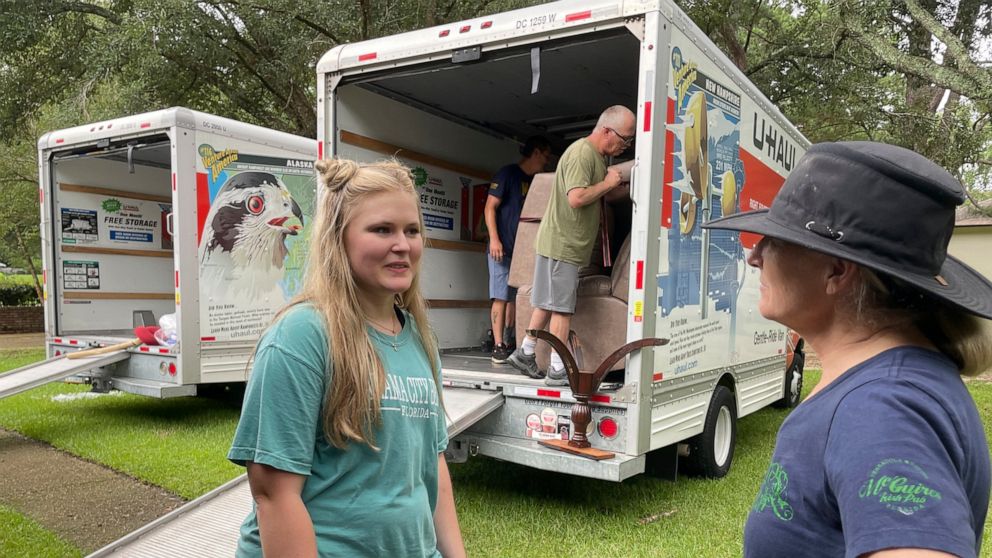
(152, 388)
(530, 454)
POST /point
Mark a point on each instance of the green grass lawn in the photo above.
(12, 359)
(25, 279)
(505, 509)
(179, 444)
(23, 537)
(508, 510)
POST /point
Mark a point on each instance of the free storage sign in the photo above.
(114, 222)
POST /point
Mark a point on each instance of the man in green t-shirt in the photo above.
(568, 232)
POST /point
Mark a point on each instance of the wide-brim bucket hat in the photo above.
(878, 205)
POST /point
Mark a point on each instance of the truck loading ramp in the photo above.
(209, 525)
(53, 369)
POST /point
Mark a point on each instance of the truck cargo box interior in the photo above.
(575, 80)
(113, 247)
(556, 90)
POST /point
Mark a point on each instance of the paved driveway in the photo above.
(22, 341)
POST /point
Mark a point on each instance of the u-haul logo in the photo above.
(770, 141)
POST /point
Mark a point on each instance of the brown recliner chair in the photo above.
(600, 319)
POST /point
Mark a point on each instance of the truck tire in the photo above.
(712, 452)
(793, 383)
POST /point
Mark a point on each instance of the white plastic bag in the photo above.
(166, 334)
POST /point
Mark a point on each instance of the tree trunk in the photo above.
(34, 271)
(735, 50)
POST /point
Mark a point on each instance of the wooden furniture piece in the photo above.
(584, 383)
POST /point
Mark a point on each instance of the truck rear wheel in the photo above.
(793, 382)
(712, 451)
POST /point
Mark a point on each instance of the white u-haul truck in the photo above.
(459, 97)
(170, 213)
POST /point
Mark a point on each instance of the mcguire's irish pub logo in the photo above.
(771, 496)
(899, 485)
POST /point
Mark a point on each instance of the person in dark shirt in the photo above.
(887, 456)
(503, 205)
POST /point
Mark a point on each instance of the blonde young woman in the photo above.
(342, 430)
(887, 457)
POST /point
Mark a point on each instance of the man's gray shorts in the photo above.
(555, 283)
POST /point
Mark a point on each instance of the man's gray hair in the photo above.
(614, 117)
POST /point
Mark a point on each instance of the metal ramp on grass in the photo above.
(210, 525)
(207, 526)
(53, 369)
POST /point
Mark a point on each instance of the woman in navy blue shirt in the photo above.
(887, 456)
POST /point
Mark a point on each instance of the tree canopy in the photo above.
(910, 72)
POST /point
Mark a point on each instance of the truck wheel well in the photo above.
(727, 380)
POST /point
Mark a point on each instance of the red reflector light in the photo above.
(487, 24)
(465, 29)
(58, 353)
(172, 368)
(145, 125)
(608, 428)
(444, 33)
(578, 15)
(367, 56)
(60, 140)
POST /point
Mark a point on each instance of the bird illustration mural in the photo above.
(243, 245)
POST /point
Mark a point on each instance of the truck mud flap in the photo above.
(51, 370)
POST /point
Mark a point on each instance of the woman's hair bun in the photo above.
(336, 173)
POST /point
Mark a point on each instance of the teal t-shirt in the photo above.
(362, 502)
